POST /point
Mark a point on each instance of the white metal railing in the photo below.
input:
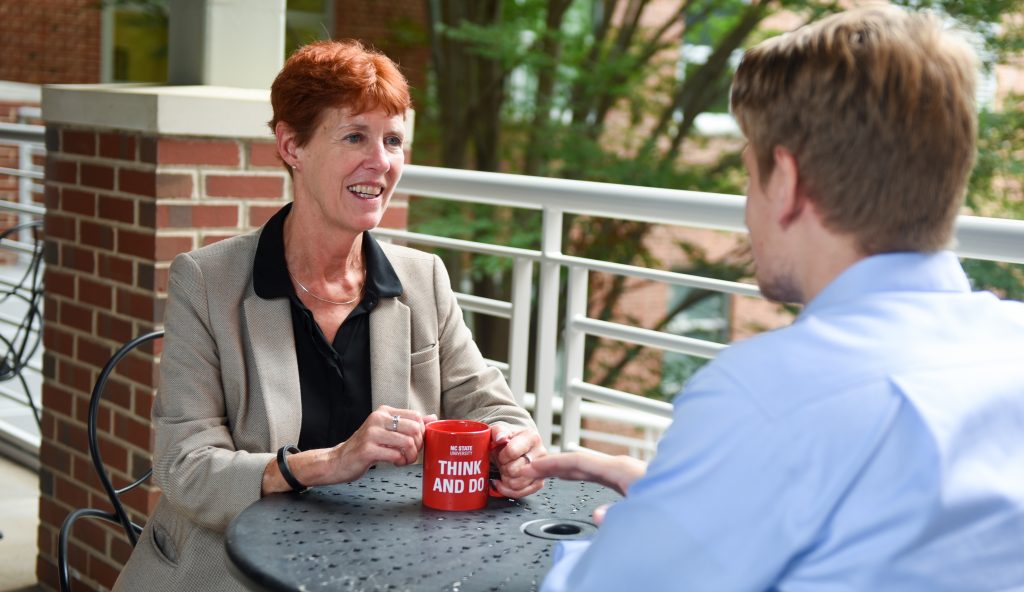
(20, 434)
(982, 238)
(30, 141)
(562, 391)
(554, 198)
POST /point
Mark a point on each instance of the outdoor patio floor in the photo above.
(19, 522)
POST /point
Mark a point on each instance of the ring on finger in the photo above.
(394, 423)
(527, 457)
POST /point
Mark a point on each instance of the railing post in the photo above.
(519, 327)
(547, 323)
(575, 340)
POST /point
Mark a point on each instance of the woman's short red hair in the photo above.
(328, 74)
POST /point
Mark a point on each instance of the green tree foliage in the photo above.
(600, 90)
(996, 187)
(997, 190)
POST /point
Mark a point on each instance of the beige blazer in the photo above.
(229, 396)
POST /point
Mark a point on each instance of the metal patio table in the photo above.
(375, 534)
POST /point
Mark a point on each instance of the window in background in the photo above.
(135, 42)
(135, 35)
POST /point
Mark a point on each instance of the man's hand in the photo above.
(617, 472)
(514, 448)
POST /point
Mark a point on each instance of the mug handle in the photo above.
(493, 473)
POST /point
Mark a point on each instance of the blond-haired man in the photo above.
(878, 442)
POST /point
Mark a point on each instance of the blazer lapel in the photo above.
(272, 342)
(390, 344)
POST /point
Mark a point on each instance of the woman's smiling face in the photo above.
(350, 167)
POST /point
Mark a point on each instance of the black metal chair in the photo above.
(19, 346)
(119, 515)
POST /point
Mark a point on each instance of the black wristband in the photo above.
(282, 465)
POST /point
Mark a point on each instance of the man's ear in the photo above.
(287, 145)
(785, 187)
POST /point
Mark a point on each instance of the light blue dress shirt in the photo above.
(875, 444)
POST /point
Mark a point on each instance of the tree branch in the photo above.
(552, 49)
(697, 91)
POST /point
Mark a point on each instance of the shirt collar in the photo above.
(270, 271)
(894, 272)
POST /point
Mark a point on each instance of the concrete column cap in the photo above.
(213, 111)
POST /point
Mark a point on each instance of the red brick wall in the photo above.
(50, 41)
(397, 27)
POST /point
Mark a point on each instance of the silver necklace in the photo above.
(328, 301)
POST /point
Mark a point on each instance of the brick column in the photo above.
(133, 177)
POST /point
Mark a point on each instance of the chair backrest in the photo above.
(24, 291)
(131, 529)
(119, 515)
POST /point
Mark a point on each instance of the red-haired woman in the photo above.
(301, 354)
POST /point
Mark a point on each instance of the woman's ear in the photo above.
(287, 144)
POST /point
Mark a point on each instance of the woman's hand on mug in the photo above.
(388, 435)
(514, 449)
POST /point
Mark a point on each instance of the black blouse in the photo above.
(334, 378)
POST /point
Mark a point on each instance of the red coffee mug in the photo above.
(456, 461)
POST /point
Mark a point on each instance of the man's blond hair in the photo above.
(877, 105)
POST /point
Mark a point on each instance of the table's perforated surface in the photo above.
(375, 534)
